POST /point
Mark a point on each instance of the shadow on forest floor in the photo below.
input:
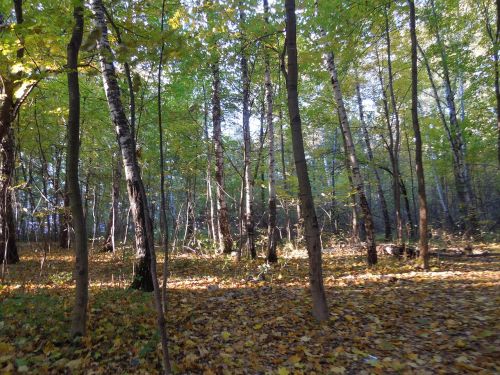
(388, 319)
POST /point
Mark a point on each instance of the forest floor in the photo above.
(223, 320)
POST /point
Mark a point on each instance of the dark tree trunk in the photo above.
(313, 241)
(8, 111)
(272, 231)
(497, 74)
(422, 199)
(8, 247)
(79, 319)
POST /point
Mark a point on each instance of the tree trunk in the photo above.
(245, 80)
(380, 191)
(333, 203)
(225, 229)
(65, 220)
(422, 199)
(8, 247)
(313, 241)
(394, 140)
(272, 231)
(8, 108)
(110, 236)
(212, 226)
(135, 186)
(496, 40)
(163, 201)
(353, 162)
(458, 147)
(146, 276)
(79, 319)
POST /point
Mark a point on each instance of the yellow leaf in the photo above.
(283, 371)
(5, 348)
(337, 370)
(294, 359)
(225, 335)
(257, 326)
(74, 364)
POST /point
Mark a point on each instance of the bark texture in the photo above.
(422, 199)
(312, 232)
(272, 231)
(135, 186)
(357, 179)
(8, 247)
(79, 318)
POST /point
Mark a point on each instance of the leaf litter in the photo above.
(243, 318)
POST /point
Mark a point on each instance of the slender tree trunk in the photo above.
(135, 186)
(65, 219)
(353, 162)
(146, 276)
(272, 231)
(458, 146)
(225, 229)
(79, 319)
(333, 203)
(380, 191)
(285, 182)
(109, 237)
(245, 79)
(496, 40)
(449, 223)
(422, 199)
(163, 201)
(313, 241)
(410, 232)
(394, 141)
(212, 226)
(355, 237)
(57, 186)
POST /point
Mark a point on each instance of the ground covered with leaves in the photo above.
(247, 318)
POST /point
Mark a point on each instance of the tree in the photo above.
(394, 145)
(419, 164)
(225, 230)
(313, 241)
(79, 320)
(247, 175)
(272, 232)
(455, 136)
(357, 179)
(369, 151)
(146, 276)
